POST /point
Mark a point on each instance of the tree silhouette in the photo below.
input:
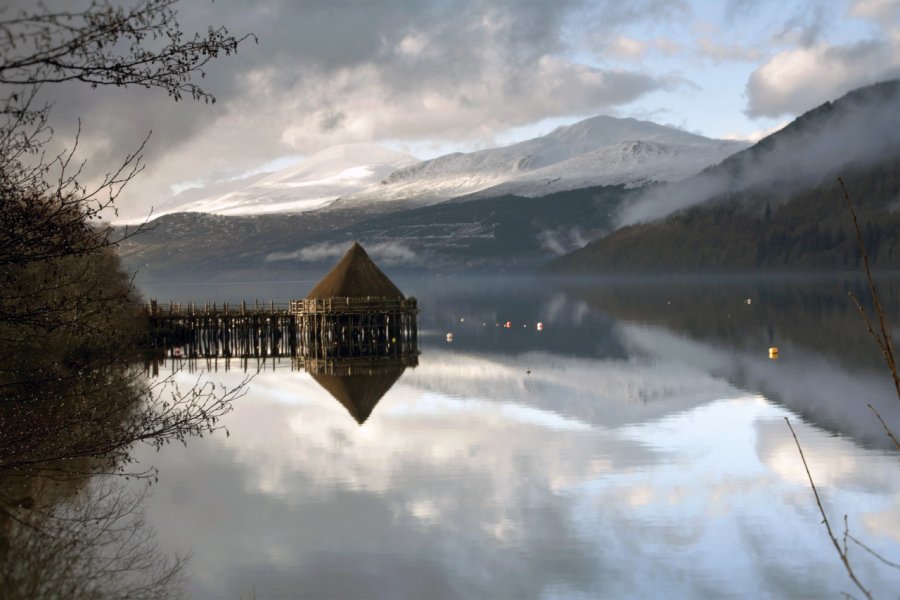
(73, 399)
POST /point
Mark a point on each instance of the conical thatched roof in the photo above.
(355, 276)
(359, 393)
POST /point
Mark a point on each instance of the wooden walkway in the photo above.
(318, 329)
(228, 331)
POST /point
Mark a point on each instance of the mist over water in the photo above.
(632, 446)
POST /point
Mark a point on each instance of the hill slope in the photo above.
(310, 184)
(776, 205)
(594, 152)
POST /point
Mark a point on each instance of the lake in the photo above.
(634, 445)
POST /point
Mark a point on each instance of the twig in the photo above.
(887, 429)
(834, 540)
(884, 340)
(872, 552)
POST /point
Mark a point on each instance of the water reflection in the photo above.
(829, 369)
(70, 526)
(609, 455)
(359, 383)
(73, 408)
(442, 494)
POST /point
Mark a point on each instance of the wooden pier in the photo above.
(343, 327)
(355, 333)
(354, 312)
(190, 331)
(314, 329)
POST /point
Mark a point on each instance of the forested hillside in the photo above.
(775, 206)
(812, 230)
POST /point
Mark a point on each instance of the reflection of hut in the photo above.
(355, 310)
(359, 383)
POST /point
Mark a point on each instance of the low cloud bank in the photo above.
(856, 130)
(387, 253)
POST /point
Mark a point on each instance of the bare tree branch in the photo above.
(837, 546)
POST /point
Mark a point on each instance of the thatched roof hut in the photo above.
(355, 276)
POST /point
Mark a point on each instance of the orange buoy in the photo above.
(773, 352)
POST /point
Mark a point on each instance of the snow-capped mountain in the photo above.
(595, 152)
(307, 185)
(598, 151)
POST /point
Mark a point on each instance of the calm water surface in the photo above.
(634, 447)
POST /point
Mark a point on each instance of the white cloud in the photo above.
(797, 80)
(755, 136)
(388, 253)
(413, 44)
(628, 48)
(332, 74)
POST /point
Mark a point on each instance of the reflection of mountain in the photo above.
(814, 314)
(359, 383)
(829, 370)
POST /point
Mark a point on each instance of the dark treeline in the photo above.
(761, 230)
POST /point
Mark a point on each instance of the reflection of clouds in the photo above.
(868, 483)
(885, 522)
(830, 466)
(471, 479)
(602, 393)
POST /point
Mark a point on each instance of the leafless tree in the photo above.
(72, 402)
(46, 213)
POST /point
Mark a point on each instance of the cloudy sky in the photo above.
(430, 77)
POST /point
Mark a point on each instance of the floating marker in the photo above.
(773, 352)
(540, 326)
(449, 337)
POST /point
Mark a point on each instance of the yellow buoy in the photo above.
(773, 352)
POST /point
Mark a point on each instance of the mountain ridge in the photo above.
(588, 153)
(594, 152)
(774, 206)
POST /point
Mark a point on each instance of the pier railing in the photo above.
(355, 305)
(177, 309)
